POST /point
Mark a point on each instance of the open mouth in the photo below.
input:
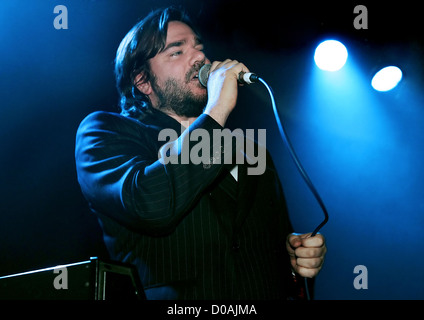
(193, 74)
(195, 77)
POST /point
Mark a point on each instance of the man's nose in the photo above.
(198, 56)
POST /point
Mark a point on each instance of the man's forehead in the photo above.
(178, 31)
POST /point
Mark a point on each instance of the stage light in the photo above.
(330, 55)
(386, 79)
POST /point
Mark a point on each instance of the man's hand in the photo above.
(223, 89)
(306, 253)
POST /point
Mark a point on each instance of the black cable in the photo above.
(296, 159)
(299, 167)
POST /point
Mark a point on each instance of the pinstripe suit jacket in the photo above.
(188, 234)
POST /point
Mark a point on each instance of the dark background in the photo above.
(362, 149)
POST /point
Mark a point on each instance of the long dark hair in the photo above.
(144, 41)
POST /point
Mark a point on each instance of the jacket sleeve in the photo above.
(122, 177)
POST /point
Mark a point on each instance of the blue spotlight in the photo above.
(330, 55)
(386, 79)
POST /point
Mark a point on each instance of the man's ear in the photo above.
(142, 85)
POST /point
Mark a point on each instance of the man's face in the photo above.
(174, 83)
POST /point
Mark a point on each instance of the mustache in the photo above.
(193, 70)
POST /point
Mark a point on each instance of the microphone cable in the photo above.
(298, 166)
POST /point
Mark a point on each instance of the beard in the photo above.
(175, 96)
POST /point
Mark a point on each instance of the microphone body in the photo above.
(243, 77)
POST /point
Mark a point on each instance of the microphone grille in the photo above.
(204, 74)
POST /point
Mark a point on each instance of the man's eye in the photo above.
(176, 53)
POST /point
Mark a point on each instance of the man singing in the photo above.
(193, 231)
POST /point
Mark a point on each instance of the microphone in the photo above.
(243, 77)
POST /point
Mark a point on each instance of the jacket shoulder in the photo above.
(99, 119)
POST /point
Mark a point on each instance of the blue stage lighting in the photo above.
(386, 79)
(330, 55)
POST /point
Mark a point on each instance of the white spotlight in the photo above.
(330, 55)
(386, 79)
